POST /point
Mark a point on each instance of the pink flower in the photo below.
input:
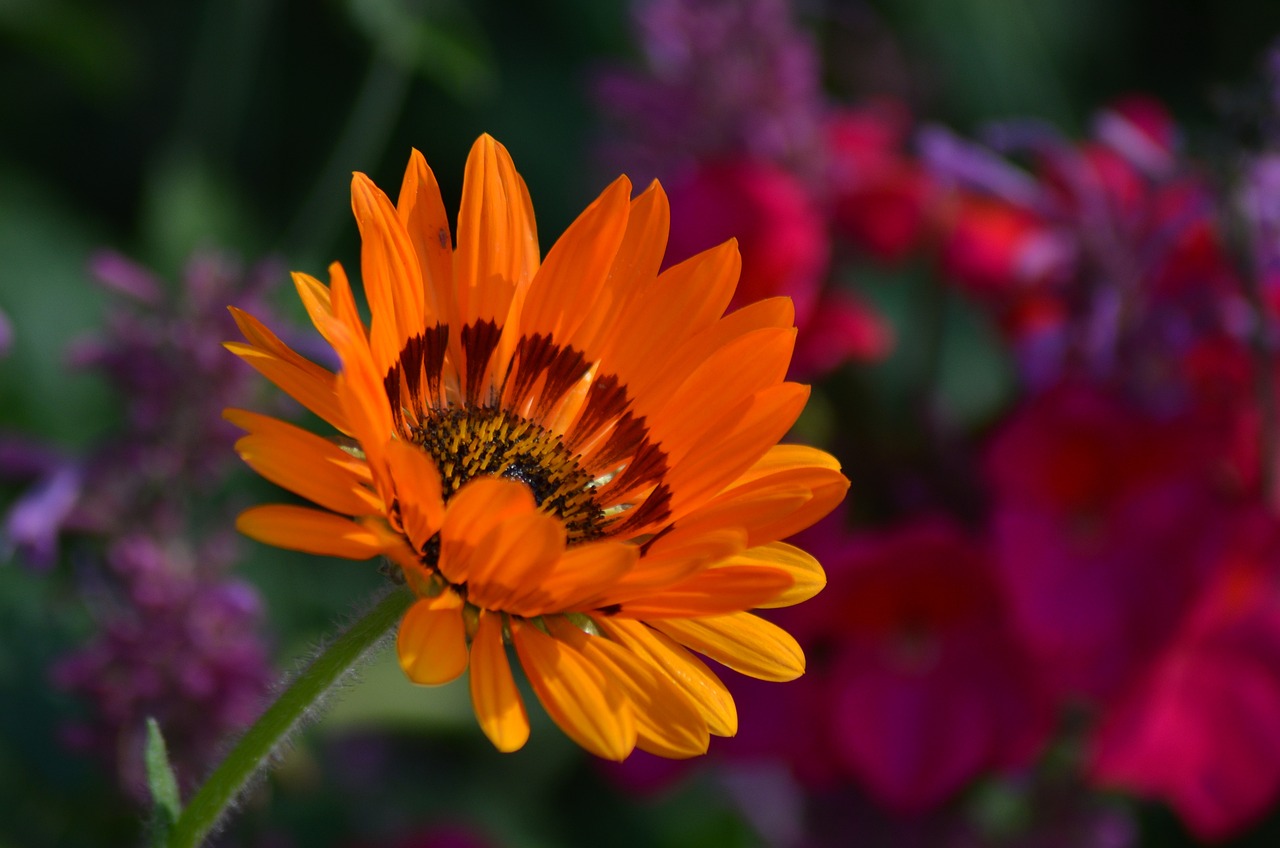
(1201, 729)
(882, 199)
(915, 686)
(785, 251)
(1104, 525)
(993, 247)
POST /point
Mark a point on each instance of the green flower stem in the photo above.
(253, 753)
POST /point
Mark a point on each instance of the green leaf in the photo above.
(166, 802)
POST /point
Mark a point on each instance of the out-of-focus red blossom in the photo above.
(841, 328)
(881, 198)
(992, 247)
(780, 230)
(785, 251)
(1201, 729)
(915, 684)
(1105, 523)
(1188, 243)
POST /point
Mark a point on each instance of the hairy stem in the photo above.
(299, 700)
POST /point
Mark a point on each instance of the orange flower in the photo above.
(577, 456)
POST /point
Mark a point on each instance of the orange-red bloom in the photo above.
(576, 455)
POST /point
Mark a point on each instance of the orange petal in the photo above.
(635, 266)
(808, 578)
(308, 383)
(668, 723)
(688, 672)
(510, 565)
(574, 273)
(475, 513)
(742, 641)
(763, 498)
(715, 591)
(421, 210)
(726, 379)
(586, 570)
(671, 558)
(253, 422)
(497, 702)
(683, 300)
(739, 439)
(497, 246)
(432, 642)
(418, 491)
(305, 464)
(317, 301)
(309, 530)
(392, 275)
(576, 693)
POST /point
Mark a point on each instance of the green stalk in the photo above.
(253, 753)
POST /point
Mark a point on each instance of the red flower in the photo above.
(991, 247)
(785, 251)
(915, 686)
(1201, 730)
(881, 197)
(1105, 524)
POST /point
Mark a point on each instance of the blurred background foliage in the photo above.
(158, 128)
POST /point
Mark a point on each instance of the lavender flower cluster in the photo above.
(176, 638)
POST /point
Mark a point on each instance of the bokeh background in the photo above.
(1035, 251)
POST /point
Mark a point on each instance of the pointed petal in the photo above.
(422, 212)
(310, 531)
(742, 641)
(808, 578)
(687, 671)
(574, 273)
(307, 465)
(576, 693)
(432, 642)
(497, 702)
(418, 491)
(715, 591)
(392, 275)
(497, 248)
(668, 723)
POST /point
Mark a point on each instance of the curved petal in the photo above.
(392, 275)
(418, 491)
(497, 248)
(742, 641)
(576, 693)
(310, 531)
(432, 642)
(688, 672)
(716, 591)
(808, 578)
(494, 696)
(421, 210)
(668, 723)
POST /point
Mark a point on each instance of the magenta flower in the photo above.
(882, 198)
(1200, 729)
(785, 251)
(1105, 525)
(916, 685)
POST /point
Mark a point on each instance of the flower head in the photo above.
(574, 454)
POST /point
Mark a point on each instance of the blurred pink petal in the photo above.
(1201, 730)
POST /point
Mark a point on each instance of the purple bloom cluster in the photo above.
(718, 77)
(176, 638)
